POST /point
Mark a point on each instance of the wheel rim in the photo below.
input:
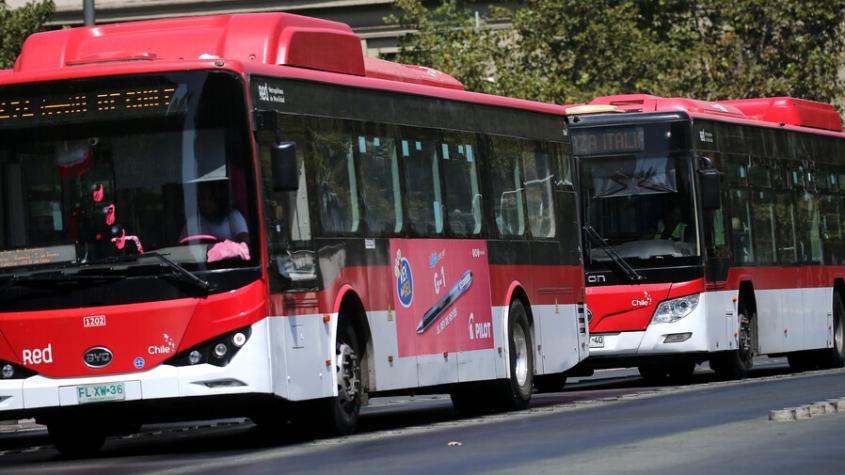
(520, 350)
(838, 335)
(348, 381)
(744, 338)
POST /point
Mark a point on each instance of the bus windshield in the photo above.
(641, 206)
(105, 170)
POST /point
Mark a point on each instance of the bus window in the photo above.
(743, 249)
(337, 188)
(463, 197)
(758, 174)
(809, 223)
(380, 189)
(422, 186)
(506, 187)
(764, 227)
(785, 218)
(539, 180)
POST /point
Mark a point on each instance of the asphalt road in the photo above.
(609, 423)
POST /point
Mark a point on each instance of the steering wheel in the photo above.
(198, 238)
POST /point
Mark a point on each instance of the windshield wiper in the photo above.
(184, 275)
(621, 263)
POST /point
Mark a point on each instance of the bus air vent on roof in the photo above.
(269, 38)
(789, 110)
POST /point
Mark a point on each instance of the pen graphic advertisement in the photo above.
(439, 289)
(433, 313)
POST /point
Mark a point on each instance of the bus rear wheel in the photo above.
(515, 393)
(736, 364)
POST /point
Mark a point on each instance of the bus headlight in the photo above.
(218, 351)
(13, 371)
(671, 311)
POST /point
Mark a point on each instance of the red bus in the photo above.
(714, 233)
(242, 215)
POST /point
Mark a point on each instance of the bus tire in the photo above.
(341, 418)
(550, 383)
(515, 393)
(737, 363)
(76, 438)
(835, 357)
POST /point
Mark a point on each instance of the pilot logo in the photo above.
(38, 355)
(643, 302)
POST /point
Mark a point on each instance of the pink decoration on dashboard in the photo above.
(228, 250)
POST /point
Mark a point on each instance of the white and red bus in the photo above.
(714, 232)
(214, 216)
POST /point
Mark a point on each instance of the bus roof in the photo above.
(268, 38)
(774, 110)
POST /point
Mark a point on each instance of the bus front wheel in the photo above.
(737, 363)
(341, 418)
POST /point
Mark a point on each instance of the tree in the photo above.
(569, 51)
(16, 25)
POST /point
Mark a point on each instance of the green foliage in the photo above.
(569, 51)
(16, 25)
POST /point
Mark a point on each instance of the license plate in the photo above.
(596, 341)
(100, 392)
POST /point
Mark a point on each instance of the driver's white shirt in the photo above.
(227, 228)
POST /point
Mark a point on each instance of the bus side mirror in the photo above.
(283, 163)
(711, 189)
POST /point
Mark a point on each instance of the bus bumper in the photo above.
(248, 372)
(690, 334)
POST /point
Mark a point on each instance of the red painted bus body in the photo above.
(728, 214)
(155, 264)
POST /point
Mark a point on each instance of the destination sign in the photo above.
(37, 255)
(604, 141)
(86, 105)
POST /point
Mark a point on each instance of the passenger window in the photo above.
(422, 185)
(741, 236)
(830, 217)
(764, 227)
(463, 197)
(337, 188)
(785, 218)
(539, 181)
(506, 186)
(809, 223)
(380, 190)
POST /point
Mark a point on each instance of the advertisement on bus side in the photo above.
(441, 295)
